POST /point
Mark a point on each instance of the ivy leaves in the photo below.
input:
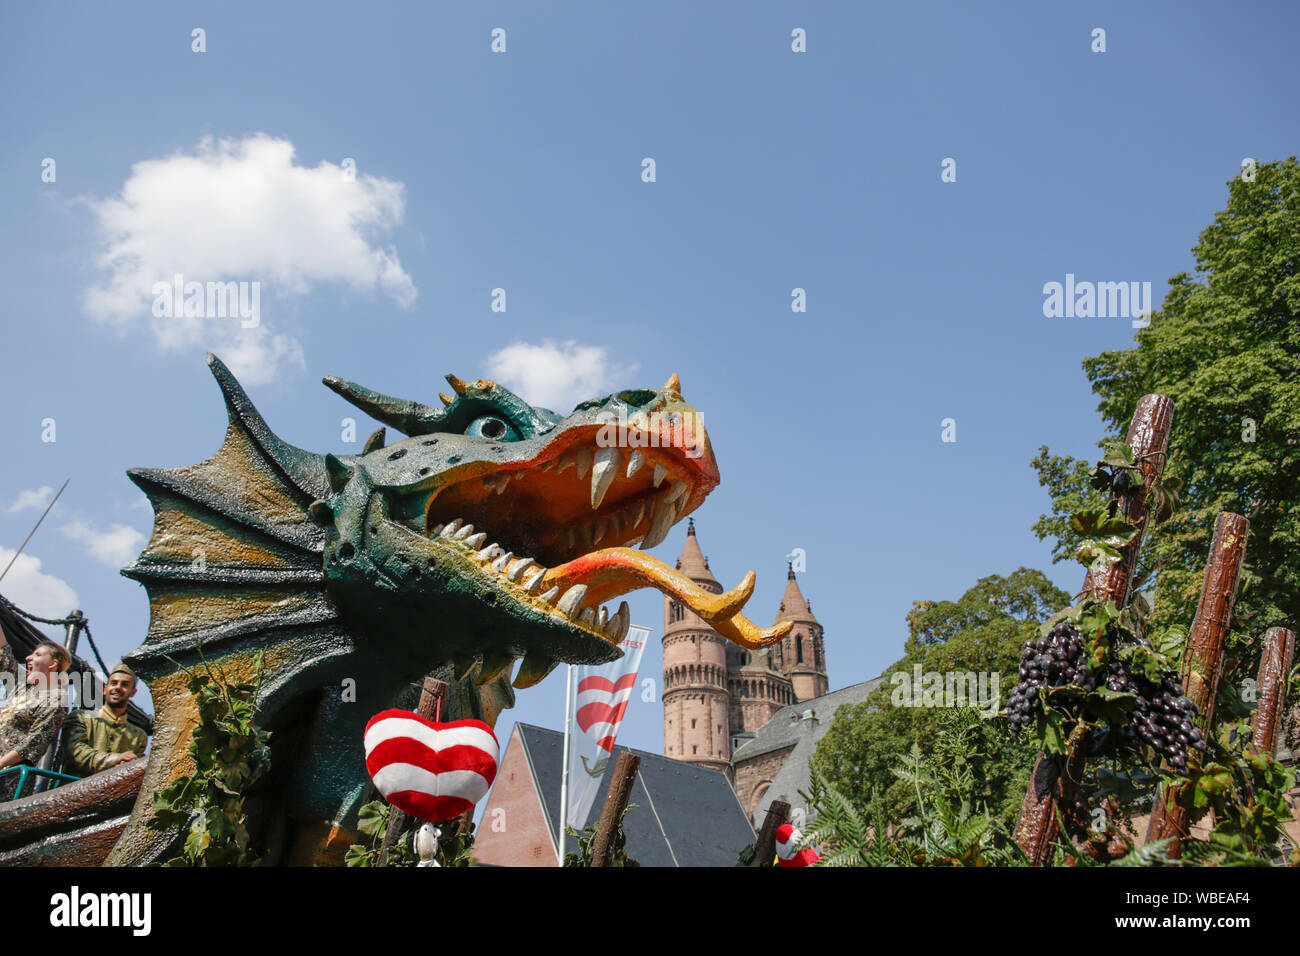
(230, 754)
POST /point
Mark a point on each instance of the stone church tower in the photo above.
(696, 707)
(802, 651)
(717, 694)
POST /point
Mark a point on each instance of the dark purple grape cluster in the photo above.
(1052, 661)
(1162, 718)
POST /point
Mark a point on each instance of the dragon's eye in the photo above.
(492, 426)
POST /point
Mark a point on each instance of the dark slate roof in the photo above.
(788, 728)
(684, 815)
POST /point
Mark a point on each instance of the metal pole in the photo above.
(32, 532)
(564, 765)
(75, 621)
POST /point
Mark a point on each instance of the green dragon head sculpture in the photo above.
(494, 532)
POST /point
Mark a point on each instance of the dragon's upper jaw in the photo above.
(555, 530)
(532, 530)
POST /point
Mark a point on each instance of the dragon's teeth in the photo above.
(449, 531)
(634, 462)
(618, 624)
(602, 525)
(476, 540)
(635, 513)
(517, 568)
(661, 472)
(549, 595)
(675, 491)
(546, 465)
(572, 600)
(569, 539)
(587, 618)
(585, 456)
(563, 462)
(534, 583)
(500, 563)
(603, 470)
(664, 514)
(602, 618)
(437, 529)
(465, 532)
(491, 551)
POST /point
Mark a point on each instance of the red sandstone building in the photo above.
(717, 695)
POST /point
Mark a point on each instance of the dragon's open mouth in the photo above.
(557, 530)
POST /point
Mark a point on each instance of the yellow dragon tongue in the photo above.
(615, 571)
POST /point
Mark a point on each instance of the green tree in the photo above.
(981, 631)
(1225, 346)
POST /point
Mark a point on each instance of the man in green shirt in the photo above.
(95, 742)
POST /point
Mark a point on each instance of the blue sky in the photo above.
(522, 170)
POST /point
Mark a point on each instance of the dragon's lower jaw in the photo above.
(577, 589)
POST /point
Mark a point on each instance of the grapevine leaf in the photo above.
(1051, 732)
(1117, 454)
(1098, 524)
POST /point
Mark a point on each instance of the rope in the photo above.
(32, 617)
(83, 621)
(102, 666)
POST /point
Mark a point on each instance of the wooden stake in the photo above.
(1203, 658)
(778, 812)
(620, 791)
(430, 708)
(1055, 781)
(1270, 687)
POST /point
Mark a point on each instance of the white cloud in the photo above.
(37, 499)
(557, 376)
(241, 211)
(116, 547)
(33, 590)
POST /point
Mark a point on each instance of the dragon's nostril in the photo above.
(347, 552)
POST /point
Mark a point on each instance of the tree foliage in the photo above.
(1225, 347)
(949, 824)
(981, 631)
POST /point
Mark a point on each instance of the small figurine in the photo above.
(426, 844)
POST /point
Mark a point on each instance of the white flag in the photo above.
(598, 709)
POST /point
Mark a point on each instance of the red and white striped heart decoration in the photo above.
(429, 770)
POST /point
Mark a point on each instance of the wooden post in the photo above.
(1203, 658)
(430, 708)
(778, 812)
(1270, 687)
(620, 791)
(1055, 782)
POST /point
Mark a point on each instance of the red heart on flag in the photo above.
(432, 771)
(601, 704)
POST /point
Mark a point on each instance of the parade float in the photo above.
(294, 596)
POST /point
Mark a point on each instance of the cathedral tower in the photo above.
(802, 656)
(696, 703)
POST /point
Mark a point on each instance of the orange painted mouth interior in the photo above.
(577, 509)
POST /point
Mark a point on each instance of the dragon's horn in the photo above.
(409, 418)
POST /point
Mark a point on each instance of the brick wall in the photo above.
(753, 777)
